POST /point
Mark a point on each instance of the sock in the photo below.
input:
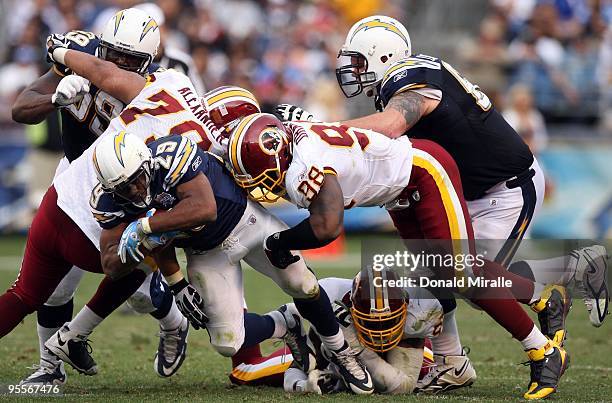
(280, 325)
(534, 340)
(295, 380)
(334, 342)
(50, 319)
(85, 321)
(12, 311)
(558, 270)
(448, 342)
(257, 328)
(173, 319)
(111, 294)
(319, 313)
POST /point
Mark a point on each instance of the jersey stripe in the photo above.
(411, 63)
(450, 199)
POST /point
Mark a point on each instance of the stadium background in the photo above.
(547, 64)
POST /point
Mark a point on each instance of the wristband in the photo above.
(174, 278)
(146, 225)
(300, 237)
(59, 55)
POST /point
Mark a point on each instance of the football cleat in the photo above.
(172, 349)
(552, 309)
(72, 348)
(296, 339)
(450, 372)
(592, 279)
(47, 373)
(547, 365)
(349, 368)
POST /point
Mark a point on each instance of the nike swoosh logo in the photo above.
(60, 341)
(460, 371)
(591, 263)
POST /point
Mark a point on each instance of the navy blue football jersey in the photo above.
(177, 160)
(486, 148)
(83, 121)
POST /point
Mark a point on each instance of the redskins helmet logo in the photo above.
(270, 141)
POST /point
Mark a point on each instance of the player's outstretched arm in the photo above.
(323, 226)
(402, 112)
(196, 207)
(34, 104)
(121, 84)
(111, 262)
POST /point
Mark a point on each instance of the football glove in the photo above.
(280, 258)
(321, 382)
(56, 41)
(131, 239)
(190, 303)
(70, 89)
(288, 112)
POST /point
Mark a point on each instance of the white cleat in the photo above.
(451, 372)
(592, 279)
(46, 374)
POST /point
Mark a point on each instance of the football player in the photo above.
(425, 97)
(390, 325)
(86, 111)
(162, 104)
(327, 168)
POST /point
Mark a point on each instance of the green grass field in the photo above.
(124, 347)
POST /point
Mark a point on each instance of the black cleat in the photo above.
(552, 309)
(547, 364)
(172, 350)
(296, 339)
(74, 349)
(354, 374)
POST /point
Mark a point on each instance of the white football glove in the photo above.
(70, 89)
(288, 113)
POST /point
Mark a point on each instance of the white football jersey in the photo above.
(425, 313)
(372, 169)
(168, 104)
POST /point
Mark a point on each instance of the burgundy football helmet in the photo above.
(378, 310)
(228, 104)
(259, 155)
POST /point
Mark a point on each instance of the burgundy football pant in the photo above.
(55, 243)
(437, 213)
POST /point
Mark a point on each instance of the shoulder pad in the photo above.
(411, 73)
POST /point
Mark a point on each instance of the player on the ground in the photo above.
(390, 324)
(331, 167)
(86, 111)
(163, 104)
(425, 97)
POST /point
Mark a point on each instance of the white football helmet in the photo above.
(123, 165)
(371, 46)
(130, 40)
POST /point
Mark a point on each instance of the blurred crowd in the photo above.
(541, 61)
